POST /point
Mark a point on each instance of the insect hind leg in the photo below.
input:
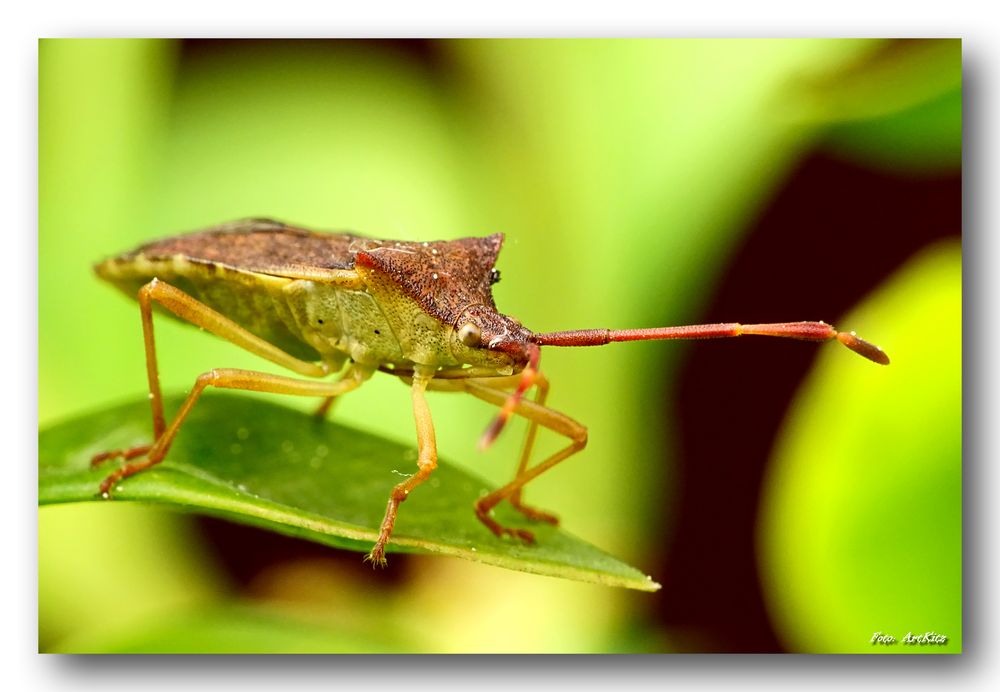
(228, 378)
(192, 310)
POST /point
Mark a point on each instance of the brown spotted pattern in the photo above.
(258, 245)
(444, 277)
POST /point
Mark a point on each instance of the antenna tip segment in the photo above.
(863, 348)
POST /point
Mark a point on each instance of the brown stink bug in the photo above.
(324, 303)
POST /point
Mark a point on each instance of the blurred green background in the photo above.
(789, 497)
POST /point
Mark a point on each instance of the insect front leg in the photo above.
(542, 384)
(426, 463)
(537, 414)
(506, 384)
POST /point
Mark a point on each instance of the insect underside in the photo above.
(324, 303)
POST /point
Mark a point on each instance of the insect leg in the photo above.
(537, 414)
(426, 463)
(199, 314)
(542, 393)
(230, 378)
(542, 383)
(324, 408)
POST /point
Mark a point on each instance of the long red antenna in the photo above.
(806, 331)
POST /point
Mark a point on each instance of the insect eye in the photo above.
(494, 276)
(470, 335)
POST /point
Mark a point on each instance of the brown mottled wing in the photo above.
(260, 245)
(444, 277)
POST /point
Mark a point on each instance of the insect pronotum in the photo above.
(324, 303)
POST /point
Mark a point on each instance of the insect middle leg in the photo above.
(537, 414)
(426, 463)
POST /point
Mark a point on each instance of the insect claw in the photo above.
(377, 557)
(107, 485)
(523, 534)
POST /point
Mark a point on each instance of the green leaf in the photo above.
(262, 464)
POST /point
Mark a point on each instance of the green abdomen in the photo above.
(254, 301)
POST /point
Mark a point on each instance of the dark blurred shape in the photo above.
(246, 553)
(830, 236)
(425, 53)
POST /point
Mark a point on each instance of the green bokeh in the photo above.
(621, 171)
